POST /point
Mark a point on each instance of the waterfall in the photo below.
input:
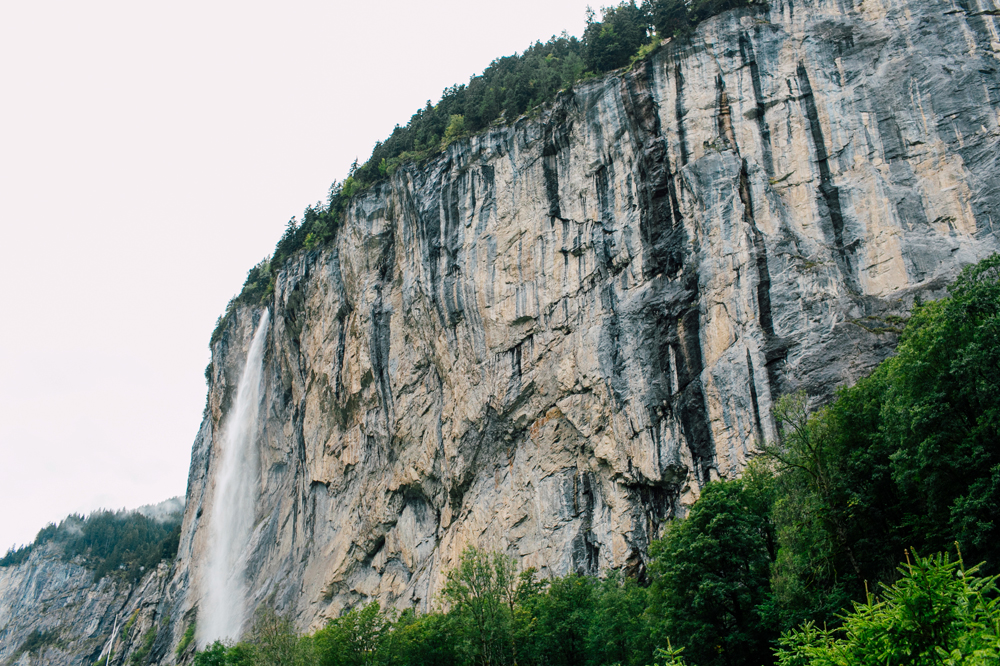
(224, 583)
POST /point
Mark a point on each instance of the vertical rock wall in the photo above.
(548, 338)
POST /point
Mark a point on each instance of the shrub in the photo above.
(185, 639)
(936, 613)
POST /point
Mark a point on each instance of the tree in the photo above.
(358, 638)
(426, 640)
(711, 574)
(670, 17)
(563, 614)
(618, 632)
(482, 592)
(272, 640)
(612, 41)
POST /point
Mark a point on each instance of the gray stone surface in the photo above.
(548, 338)
(47, 594)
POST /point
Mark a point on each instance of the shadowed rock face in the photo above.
(547, 339)
(61, 600)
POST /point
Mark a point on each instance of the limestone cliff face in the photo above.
(547, 339)
(78, 615)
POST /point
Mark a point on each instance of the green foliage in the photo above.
(186, 640)
(359, 638)
(611, 42)
(141, 656)
(670, 18)
(678, 18)
(130, 623)
(561, 635)
(121, 543)
(711, 574)
(907, 457)
(508, 88)
(16, 556)
(38, 640)
(214, 655)
(618, 633)
(668, 656)
(940, 421)
(430, 639)
(482, 592)
(273, 641)
(646, 50)
(936, 613)
(454, 131)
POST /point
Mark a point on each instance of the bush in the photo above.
(141, 656)
(186, 640)
(38, 640)
(936, 613)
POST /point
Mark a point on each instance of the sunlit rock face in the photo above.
(547, 339)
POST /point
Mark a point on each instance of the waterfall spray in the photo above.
(224, 585)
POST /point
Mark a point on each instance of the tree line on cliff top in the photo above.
(843, 543)
(510, 87)
(123, 544)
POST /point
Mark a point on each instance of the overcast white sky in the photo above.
(150, 154)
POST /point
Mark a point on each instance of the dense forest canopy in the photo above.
(510, 87)
(120, 543)
(845, 542)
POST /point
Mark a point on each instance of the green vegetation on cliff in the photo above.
(123, 544)
(795, 563)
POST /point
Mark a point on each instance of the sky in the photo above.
(150, 154)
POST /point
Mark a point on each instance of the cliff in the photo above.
(548, 338)
(54, 609)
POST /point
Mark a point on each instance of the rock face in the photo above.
(547, 339)
(75, 614)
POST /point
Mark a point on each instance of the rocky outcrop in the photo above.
(52, 611)
(548, 338)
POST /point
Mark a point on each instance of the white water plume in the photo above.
(224, 584)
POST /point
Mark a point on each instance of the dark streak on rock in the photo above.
(679, 112)
(380, 333)
(829, 192)
(674, 317)
(750, 60)
(556, 140)
(753, 398)
(659, 219)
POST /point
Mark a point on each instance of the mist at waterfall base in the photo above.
(224, 584)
